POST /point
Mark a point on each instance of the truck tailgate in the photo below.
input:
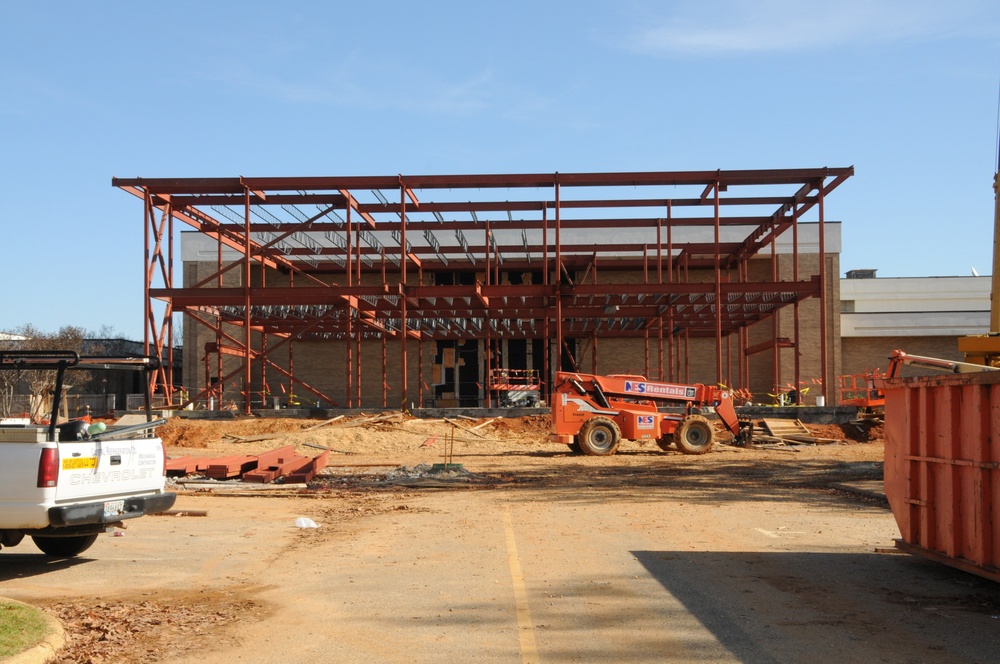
(104, 469)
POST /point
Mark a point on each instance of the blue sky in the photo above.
(906, 91)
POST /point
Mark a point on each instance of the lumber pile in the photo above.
(787, 432)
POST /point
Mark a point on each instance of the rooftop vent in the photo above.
(861, 274)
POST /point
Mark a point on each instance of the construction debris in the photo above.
(257, 469)
(181, 513)
(789, 432)
(228, 467)
(464, 427)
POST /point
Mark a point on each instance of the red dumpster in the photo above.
(942, 453)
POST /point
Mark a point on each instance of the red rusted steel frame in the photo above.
(672, 349)
(687, 356)
(218, 330)
(484, 181)
(487, 352)
(645, 280)
(238, 351)
(269, 464)
(146, 275)
(488, 254)
(403, 324)
(261, 251)
(718, 286)
(560, 342)
(796, 332)
(168, 317)
(569, 223)
(292, 379)
(824, 364)
(212, 228)
(349, 277)
(247, 327)
(358, 359)
(593, 345)
(775, 317)
(265, 391)
(564, 300)
(162, 377)
(229, 467)
(745, 341)
(309, 470)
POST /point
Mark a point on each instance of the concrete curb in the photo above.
(45, 650)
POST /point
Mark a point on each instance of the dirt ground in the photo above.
(373, 471)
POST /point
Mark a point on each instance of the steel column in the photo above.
(824, 371)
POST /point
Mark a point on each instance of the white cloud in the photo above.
(733, 26)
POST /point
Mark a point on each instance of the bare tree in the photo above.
(40, 384)
(8, 379)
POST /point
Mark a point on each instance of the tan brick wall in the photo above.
(868, 353)
(323, 364)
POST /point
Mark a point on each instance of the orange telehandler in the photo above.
(592, 414)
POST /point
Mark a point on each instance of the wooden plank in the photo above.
(778, 427)
(323, 424)
(462, 426)
(480, 426)
(324, 447)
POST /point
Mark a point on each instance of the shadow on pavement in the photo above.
(808, 606)
(26, 565)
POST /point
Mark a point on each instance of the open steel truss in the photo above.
(375, 257)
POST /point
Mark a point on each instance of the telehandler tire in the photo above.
(599, 436)
(695, 435)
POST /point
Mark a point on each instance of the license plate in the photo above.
(114, 507)
(77, 463)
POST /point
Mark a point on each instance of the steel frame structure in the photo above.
(686, 237)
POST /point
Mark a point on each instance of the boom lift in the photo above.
(592, 414)
(867, 390)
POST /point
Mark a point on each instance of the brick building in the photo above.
(919, 315)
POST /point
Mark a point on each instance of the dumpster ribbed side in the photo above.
(942, 454)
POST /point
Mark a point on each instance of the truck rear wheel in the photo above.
(695, 435)
(599, 436)
(64, 547)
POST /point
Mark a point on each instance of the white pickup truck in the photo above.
(64, 484)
